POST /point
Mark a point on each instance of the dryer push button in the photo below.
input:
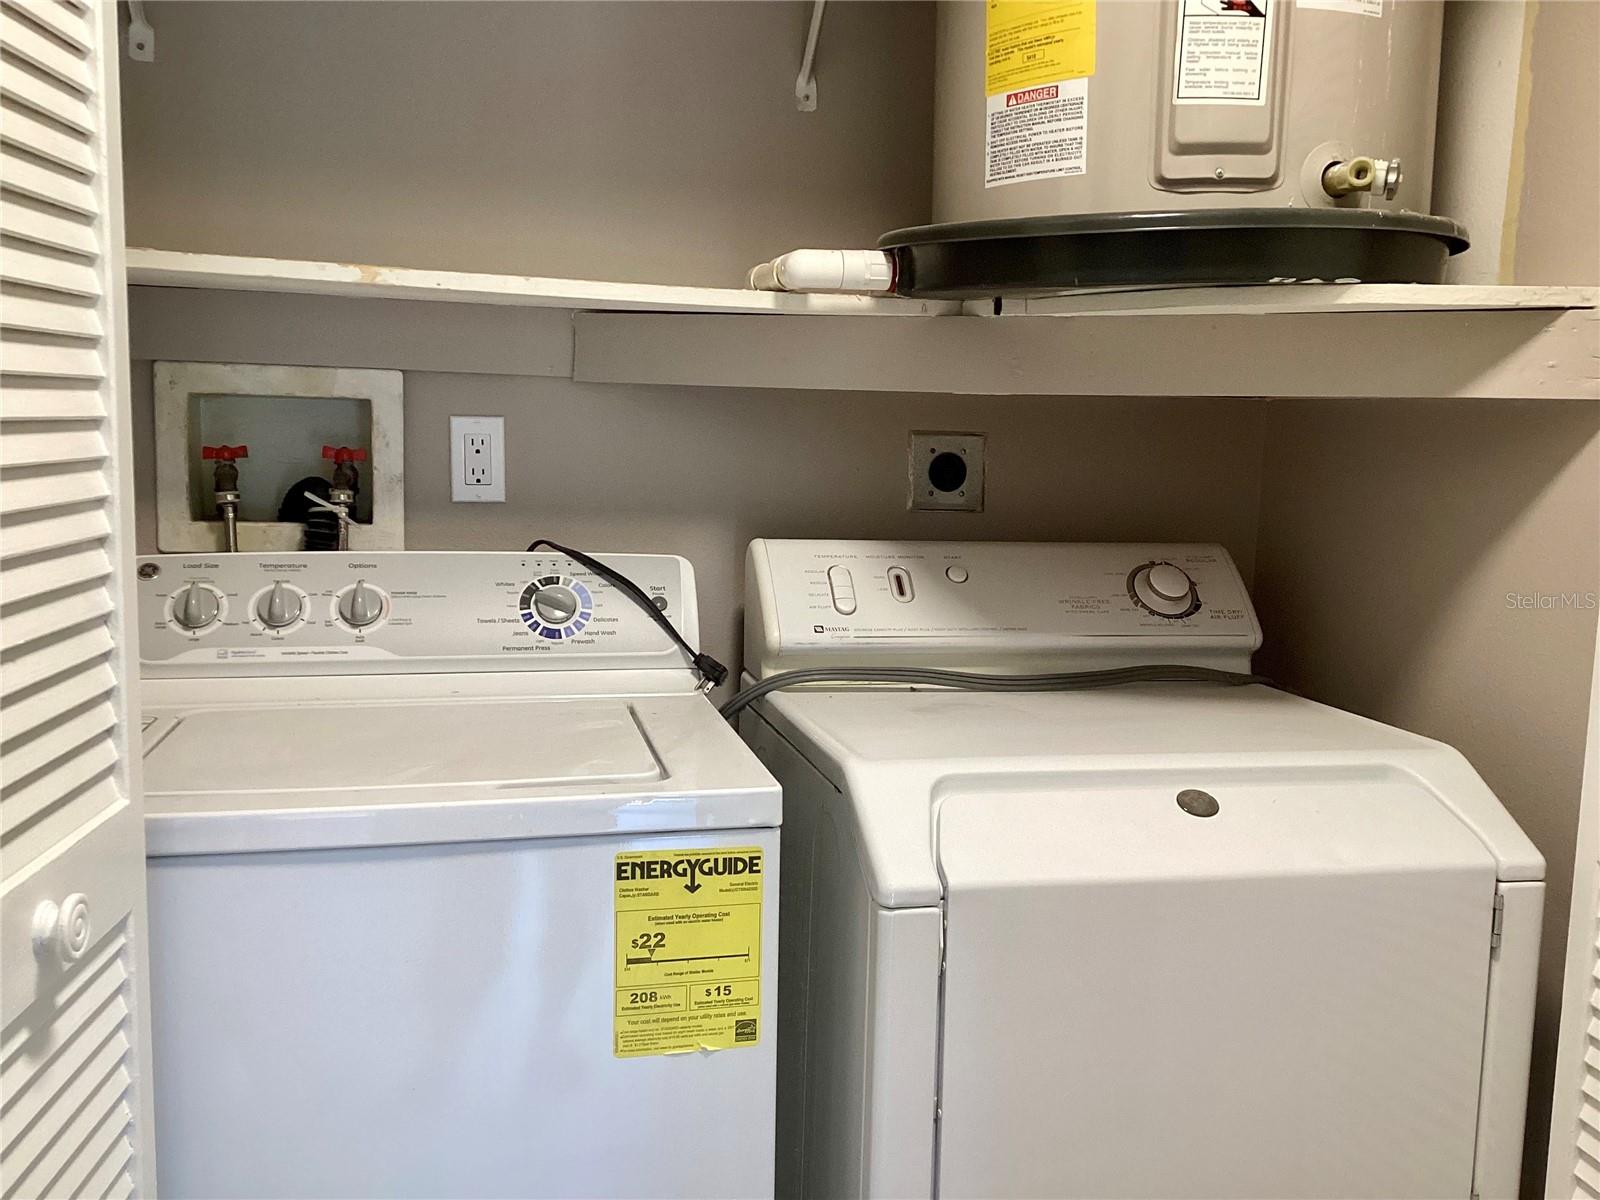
(842, 588)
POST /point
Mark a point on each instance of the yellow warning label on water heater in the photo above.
(688, 950)
(1029, 42)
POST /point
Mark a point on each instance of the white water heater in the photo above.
(1104, 142)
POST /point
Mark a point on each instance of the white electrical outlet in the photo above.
(478, 459)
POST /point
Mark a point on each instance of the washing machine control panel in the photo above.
(1004, 606)
(405, 611)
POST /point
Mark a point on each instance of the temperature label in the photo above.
(688, 974)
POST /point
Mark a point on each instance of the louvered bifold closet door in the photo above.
(1586, 1168)
(1573, 1168)
(74, 1103)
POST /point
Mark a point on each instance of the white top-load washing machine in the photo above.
(458, 886)
(1169, 940)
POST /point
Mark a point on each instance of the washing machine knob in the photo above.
(195, 607)
(280, 607)
(1164, 590)
(361, 605)
(556, 604)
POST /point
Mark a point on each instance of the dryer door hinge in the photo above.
(1498, 924)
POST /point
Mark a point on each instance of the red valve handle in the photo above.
(344, 454)
(225, 453)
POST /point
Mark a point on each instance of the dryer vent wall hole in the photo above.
(946, 471)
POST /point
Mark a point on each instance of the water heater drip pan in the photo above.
(1046, 255)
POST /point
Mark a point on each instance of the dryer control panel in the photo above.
(998, 606)
(335, 612)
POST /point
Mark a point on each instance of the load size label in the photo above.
(688, 956)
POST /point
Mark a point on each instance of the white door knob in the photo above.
(61, 931)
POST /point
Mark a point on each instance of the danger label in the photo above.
(688, 953)
(1039, 132)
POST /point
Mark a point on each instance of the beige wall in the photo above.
(1390, 539)
(656, 142)
(701, 473)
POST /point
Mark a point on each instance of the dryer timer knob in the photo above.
(1164, 590)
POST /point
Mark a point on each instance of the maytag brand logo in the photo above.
(691, 870)
(830, 629)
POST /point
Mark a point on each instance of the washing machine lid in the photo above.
(321, 775)
(1280, 975)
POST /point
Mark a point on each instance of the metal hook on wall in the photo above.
(805, 84)
(141, 34)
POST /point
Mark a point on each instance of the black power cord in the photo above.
(1059, 681)
(712, 673)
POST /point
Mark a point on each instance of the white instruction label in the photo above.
(1039, 132)
(1364, 8)
(1224, 51)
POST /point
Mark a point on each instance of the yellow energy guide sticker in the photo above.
(688, 950)
(1031, 42)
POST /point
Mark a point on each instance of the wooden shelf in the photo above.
(231, 273)
(1285, 298)
(1368, 341)
(1502, 354)
(225, 272)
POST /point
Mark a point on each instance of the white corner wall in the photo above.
(1481, 125)
(1556, 218)
(1518, 161)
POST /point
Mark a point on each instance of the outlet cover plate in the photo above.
(946, 471)
(478, 459)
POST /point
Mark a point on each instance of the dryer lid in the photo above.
(1201, 823)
